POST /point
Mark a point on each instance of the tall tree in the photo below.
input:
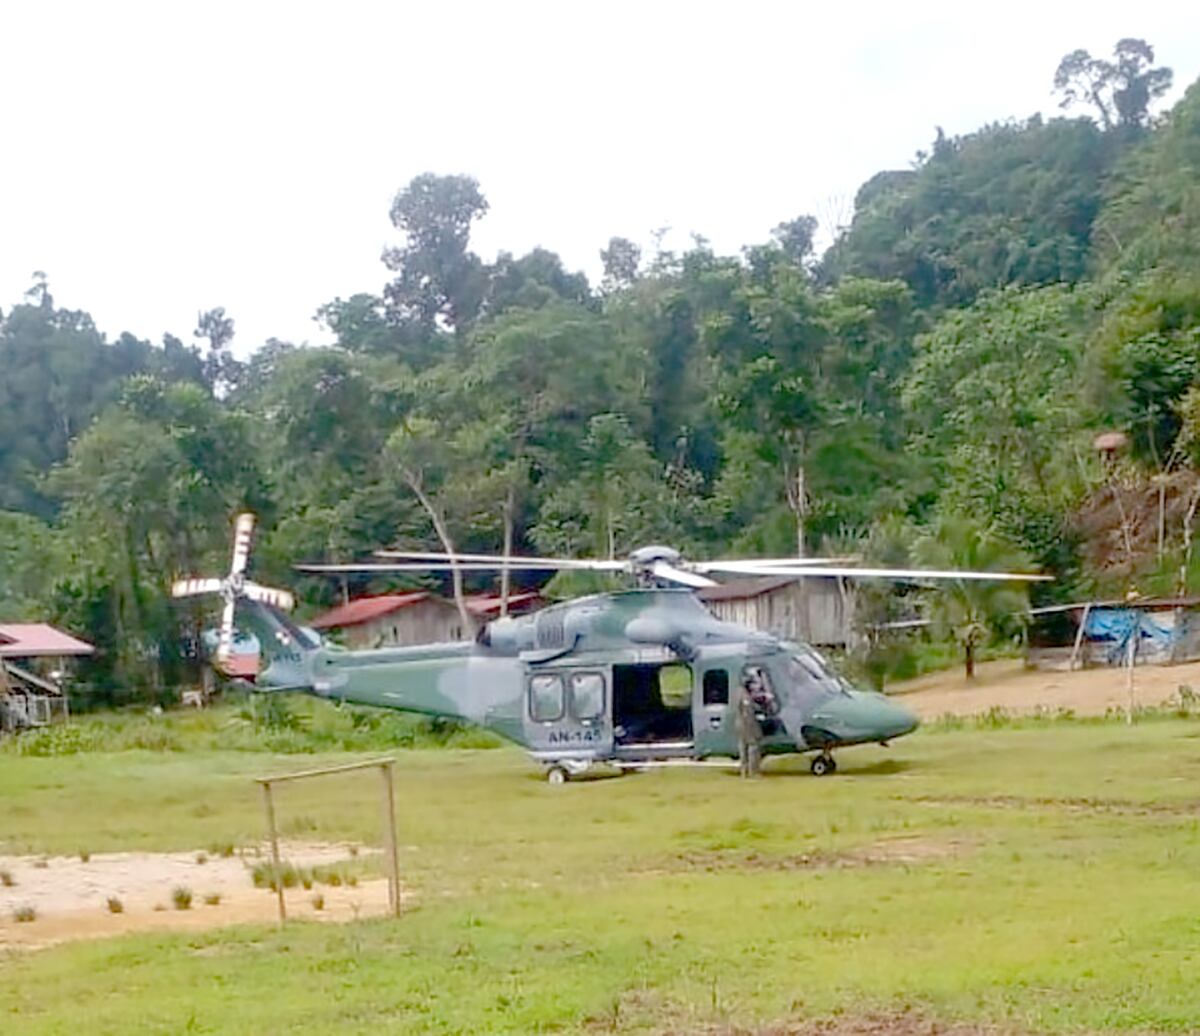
(439, 281)
(1120, 90)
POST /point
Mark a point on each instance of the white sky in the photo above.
(162, 158)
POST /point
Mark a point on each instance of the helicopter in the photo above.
(629, 678)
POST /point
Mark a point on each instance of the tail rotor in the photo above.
(234, 586)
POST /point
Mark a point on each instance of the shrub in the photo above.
(115, 906)
(181, 897)
(212, 899)
(24, 914)
(318, 901)
(6, 879)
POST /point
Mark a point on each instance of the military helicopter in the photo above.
(633, 678)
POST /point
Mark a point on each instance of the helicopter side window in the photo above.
(587, 696)
(716, 687)
(546, 697)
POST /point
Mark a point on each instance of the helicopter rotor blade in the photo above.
(741, 564)
(885, 573)
(269, 595)
(225, 637)
(500, 561)
(416, 566)
(195, 587)
(665, 570)
(243, 530)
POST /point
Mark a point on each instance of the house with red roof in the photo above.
(413, 617)
(33, 660)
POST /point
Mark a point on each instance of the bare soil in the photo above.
(69, 896)
(904, 1023)
(1010, 686)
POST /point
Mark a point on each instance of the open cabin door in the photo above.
(567, 711)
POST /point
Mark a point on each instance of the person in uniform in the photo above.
(749, 727)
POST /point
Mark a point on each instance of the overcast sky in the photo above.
(163, 158)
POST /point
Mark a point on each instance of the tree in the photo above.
(1120, 90)
(1012, 203)
(621, 260)
(221, 370)
(439, 282)
(795, 239)
(970, 610)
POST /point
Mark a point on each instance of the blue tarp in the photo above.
(1114, 626)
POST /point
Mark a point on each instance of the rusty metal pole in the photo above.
(389, 800)
(278, 871)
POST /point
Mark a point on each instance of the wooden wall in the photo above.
(811, 610)
(426, 622)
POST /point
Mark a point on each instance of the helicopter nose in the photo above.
(865, 716)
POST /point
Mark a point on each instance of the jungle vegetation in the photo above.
(929, 387)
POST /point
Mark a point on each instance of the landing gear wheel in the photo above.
(557, 775)
(823, 765)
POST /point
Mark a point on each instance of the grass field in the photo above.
(1043, 877)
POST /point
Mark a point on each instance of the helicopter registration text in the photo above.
(589, 735)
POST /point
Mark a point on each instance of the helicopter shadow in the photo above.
(880, 768)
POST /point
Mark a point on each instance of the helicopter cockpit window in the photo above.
(546, 697)
(806, 667)
(716, 687)
(587, 696)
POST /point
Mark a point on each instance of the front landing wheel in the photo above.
(823, 765)
(557, 775)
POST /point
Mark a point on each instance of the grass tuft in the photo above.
(212, 899)
(115, 906)
(6, 878)
(24, 914)
(181, 897)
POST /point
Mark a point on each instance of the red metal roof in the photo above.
(487, 605)
(367, 609)
(37, 640)
(364, 609)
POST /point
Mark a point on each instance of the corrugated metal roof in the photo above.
(37, 640)
(365, 609)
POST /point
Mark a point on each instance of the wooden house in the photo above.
(415, 617)
(33, 661)
(817, 609)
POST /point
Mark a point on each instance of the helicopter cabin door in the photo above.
(717, 688)
(568, 712)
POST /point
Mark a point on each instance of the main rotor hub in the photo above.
(645, 556)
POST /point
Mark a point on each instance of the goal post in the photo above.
(386, 768)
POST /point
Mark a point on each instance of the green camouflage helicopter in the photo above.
(630, 679)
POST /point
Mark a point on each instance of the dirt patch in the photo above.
(902, 1024)
(1009, 686)
(903, 850)
(1116, 807)
(70, 897)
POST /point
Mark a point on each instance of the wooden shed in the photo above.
(816, 609)
(33, 661)
(416, 617)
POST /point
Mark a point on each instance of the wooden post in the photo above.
(270, 806)
(389, 826)
(1087, 609)
(1130, 650)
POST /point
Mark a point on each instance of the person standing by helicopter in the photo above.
(749, 727)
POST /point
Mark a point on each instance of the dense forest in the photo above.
(929, 390)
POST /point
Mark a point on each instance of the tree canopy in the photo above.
(942, 369)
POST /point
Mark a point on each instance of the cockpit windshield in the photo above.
(806, 668)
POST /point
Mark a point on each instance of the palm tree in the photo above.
(972, 611)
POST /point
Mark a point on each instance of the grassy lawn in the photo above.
(1043, 877)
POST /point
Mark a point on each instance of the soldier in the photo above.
(748, 726)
